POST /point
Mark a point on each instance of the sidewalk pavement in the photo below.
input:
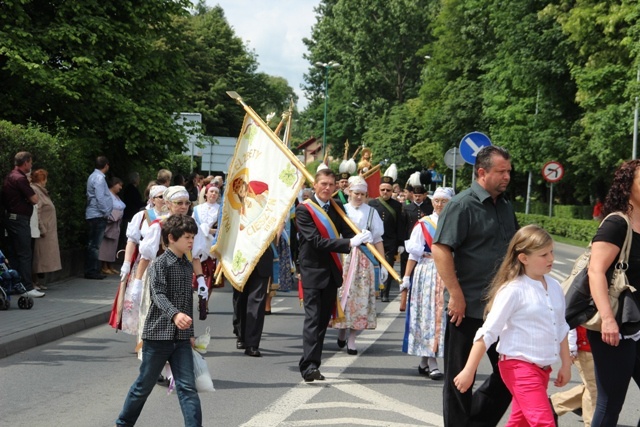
(69, 306)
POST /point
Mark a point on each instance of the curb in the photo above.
(46, 334)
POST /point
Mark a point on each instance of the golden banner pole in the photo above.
(371, 171)
(300, 166)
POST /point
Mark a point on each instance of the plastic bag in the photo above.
(204, 383)
(202, 342)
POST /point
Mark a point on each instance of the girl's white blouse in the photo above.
(528, 319)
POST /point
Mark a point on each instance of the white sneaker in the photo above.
(34, 293)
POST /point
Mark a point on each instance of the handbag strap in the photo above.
(623, 258)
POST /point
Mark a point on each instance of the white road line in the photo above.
(298, 397)
(390, 404)
(347, 421)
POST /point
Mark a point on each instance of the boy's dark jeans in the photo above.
(154, 356)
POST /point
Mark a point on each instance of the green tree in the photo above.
(528, 93)
(392, 137)
(604, 67)
(219, 62)
(111, 73)
(379, 45)
(452, 88)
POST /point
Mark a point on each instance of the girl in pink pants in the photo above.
(525, 309)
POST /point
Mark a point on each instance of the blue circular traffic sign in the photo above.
(471, 144)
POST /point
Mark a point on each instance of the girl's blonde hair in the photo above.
(526, 241)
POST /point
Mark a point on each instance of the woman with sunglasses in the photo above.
(138, 294)
(136, 303)
(176, 199)
(136, 228)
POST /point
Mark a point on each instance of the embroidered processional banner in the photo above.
(261, 187)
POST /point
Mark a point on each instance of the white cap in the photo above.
(358, 184)
(443, 193)
(156, 190)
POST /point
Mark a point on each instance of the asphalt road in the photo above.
(82, 380)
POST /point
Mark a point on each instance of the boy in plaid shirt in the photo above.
(168, 330)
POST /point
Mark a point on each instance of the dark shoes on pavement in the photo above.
(162, 381)
(341, 343)
(313, 374)
(352, 351)
(240, 345)
(252, 351)
(435, 375)
(384, 299)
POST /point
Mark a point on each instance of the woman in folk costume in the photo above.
(425, 321)
(126, 309)
(357, 296)
(206, 216)
(176, 200)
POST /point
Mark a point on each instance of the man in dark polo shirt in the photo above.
(477, 226)
(18, 199)
(390, 212)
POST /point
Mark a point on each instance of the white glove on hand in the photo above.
(202, 288)
(360, 238)
(384, 274)
(126, 268)
(406, 283)
(400, 250)
(136, 289)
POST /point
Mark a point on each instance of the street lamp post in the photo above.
(327, 66)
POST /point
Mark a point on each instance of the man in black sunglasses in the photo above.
(390, 211)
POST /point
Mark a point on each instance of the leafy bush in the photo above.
(68, 168)
(573, 211)
(578, 229)
(537, 207)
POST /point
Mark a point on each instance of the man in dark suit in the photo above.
(249, 306)
(419, 206)
(320, 269)
(343, 183)
(390, 212)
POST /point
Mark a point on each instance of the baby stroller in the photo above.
(10, 284)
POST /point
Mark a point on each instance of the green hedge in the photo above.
(537, 207)
(68, 168)
(578, 229)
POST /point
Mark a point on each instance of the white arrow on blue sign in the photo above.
(471, 144)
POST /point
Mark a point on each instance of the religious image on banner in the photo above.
(262, 185)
